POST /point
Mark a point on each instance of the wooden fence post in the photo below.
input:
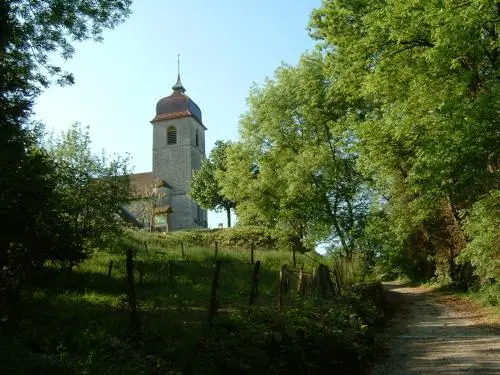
(110, 268)
(282, 287)
(214, 303)
(325, 282)
(329, 281)
(323, 287)
(252, 251)
(135, 321)
(314, 281)
(255, 282)
(140, 266)
(216, 250)
(182, 249)
(337, 282)
(170, 271)
(301, 283)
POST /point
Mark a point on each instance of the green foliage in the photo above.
(90, 190)
(240, 237)
(294, 168)
(205, 187)
(26, 197)
(30, 31)
(35, 29)
(426, 74)
(489, 295)
(349, 271)
(74, 210)
(481, 225)
(369, 302)
(76, 322)
(333, 338)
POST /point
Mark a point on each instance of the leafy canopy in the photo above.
(34, 227)
(429, 137)
(205, 187)
(294, 168)
(91, 188)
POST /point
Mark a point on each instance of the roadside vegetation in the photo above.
(77, 321)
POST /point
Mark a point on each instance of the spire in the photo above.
(178, 85)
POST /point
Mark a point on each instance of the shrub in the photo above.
(237, 237)
(481, 225)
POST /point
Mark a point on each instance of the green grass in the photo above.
(78, 322)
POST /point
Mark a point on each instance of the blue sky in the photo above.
(225, 47)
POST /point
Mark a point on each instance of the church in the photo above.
(160, 198)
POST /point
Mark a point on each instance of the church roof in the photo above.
(177, 105)
(142, 182)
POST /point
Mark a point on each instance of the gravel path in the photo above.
(433, 333)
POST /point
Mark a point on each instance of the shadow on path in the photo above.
(433, 333)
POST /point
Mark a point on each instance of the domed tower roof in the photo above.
(177, 105)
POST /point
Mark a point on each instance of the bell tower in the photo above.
(178, 150)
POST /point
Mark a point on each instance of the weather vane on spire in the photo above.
(178, 85)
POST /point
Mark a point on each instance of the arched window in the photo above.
(171, 135)
(196, 140)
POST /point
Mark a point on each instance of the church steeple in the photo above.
(177, 104)
(178, 85)
(178, 150)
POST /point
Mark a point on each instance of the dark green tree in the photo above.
(205, 187)
(30, 32)
(430, 138)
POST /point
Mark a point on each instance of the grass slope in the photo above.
(78, 322)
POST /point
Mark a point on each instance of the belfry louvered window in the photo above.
(171, 136)
(197, 141)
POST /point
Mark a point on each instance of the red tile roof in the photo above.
(142, 182)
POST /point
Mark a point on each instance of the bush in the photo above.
(490, 294)
(369, 302)
(481, 225)
(307, 341)
(237, 237)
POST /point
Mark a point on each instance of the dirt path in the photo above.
(433, 333)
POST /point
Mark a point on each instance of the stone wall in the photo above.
(175, 164)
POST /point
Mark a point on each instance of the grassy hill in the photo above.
(78, 322)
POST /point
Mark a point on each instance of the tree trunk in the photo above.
(228, 210)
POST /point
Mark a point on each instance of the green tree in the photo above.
(205, 187)
(429, 137)
(294, 168)
(30, 31)
(90, 190)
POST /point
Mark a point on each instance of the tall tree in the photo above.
(205, 187)
(30, 31)
(294, 168)
(431, 137)
(90, 190)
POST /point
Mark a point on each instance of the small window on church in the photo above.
(171, 136)
(197, 143)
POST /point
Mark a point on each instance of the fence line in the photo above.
(319, 280)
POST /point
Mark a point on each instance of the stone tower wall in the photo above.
(175, 165)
